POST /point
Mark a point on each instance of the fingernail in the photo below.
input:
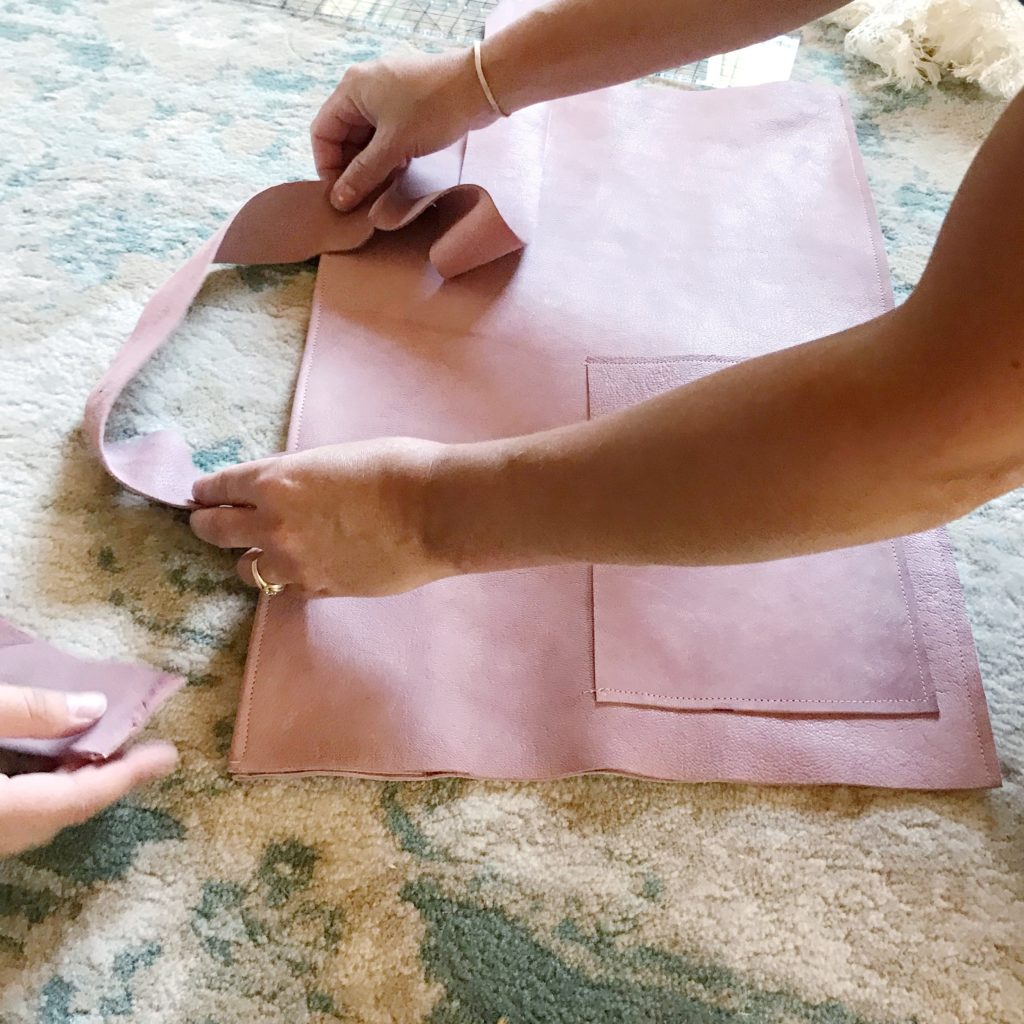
(165, 759)
(342, 196)
(168, 755)
(86, 707)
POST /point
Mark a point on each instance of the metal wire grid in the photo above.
(456, 21)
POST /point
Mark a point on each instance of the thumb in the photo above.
(46, 714)
(365, 172)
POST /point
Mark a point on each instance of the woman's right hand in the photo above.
(385, 112)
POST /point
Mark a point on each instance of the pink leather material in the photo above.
(286, 224)
(134, 692)
(666, 636)
(494, 676)
(666, 225)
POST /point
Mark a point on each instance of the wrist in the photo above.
(459, 502)
(525, 61)
(466, 94)
(508, 504)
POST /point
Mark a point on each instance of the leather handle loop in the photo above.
(294, 222)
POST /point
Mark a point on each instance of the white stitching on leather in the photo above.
(914, 625)
(760, 700)
(264, 608)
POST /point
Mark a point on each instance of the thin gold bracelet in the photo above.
(483, 80)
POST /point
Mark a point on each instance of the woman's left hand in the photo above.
(35, 807)
(346, 519)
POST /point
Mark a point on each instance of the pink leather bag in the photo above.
(669, 233)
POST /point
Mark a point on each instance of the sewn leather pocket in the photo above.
(834, 633)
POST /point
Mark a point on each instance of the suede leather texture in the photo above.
(643, 270)
(133, 692)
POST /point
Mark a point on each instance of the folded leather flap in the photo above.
(835, 633)
(487, 185)
(294, 222)
(290, 223)
(134, 692)
(488, 206)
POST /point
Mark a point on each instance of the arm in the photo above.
(894, 426)
(35, 807)
(388, 111)
(572, 46)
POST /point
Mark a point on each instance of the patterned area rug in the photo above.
(131, 130)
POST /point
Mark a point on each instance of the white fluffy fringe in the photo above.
(916, 42)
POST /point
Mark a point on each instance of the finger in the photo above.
(360, 135)
(350, 149)
(27, 713)
(348, 153)
(367, 169)
(232, 486)
(272, 569)
(338, 122)
(39, 806)
(227, 527)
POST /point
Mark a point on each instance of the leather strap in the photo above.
(286, 224)
(474, 179)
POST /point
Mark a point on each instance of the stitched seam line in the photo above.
(263, 609)
(910, 619)
(314, 336)
(723, 360)
(718, 360)
(860, 176)
(761, 700)
(261, 616)
(953, 578)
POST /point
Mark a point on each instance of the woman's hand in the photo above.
(347, 519)
(387, 111)
(34, 808)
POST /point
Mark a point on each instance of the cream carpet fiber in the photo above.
(130, 131)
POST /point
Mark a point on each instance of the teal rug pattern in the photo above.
(131, 130)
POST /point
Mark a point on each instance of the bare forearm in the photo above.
(816, 447)
(891, 427)
(572, 46)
